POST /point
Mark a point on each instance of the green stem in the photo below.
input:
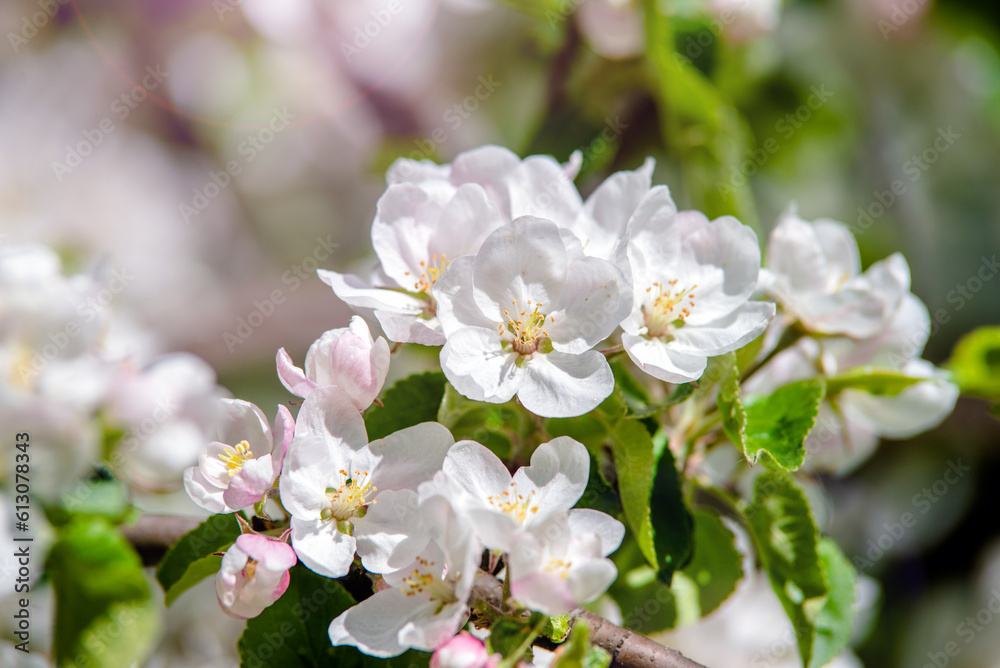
(512, 660)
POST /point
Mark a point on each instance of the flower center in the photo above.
(516, 505)
(425, 581)
(666, 307)
(235, 458)
(558, 567)
(348, 500)
(429, 273)
(250, 569)
(525, 333)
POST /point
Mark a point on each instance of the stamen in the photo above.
(235, 458)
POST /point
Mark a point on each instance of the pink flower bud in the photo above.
(254, 575)
(464, 651)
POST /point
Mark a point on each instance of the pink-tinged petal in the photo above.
(355, 292)
(358, 365)
(282, 586)
(274, 555)
(525, 260)
(203, 492)
(322, 548)
(463, 651)
(490, 167)
(475, 364)
(558, 475)
(405, 220)
(656, 358)
(250, 483)
(243, 421)
(565, 385)
(283, 431)
(545, 592)
(292, 377)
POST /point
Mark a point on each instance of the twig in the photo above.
(153, 534)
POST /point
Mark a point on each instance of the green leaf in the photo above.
(873, 380)
(579, 653)
(636, 398)
(293, 632)
(717, 566)
(787, 544)
(105, 615)
(213, 535)
(836, 617)
(196, 572)
(635, 466)
(411, 401)
(673, 525)
(557, 629)
(493, 425)
(778, 423)
(975, 363)
(734, 417)
(508, 634)
(99, 497)
(593, 429)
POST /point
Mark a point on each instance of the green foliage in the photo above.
(637, 401)
(787, 543)
(717, 566)
(185, 564)
(836, 617)
(101, 496)
(196, 571)
(873, 380)
(508, 634)
(497, 426)
(105, 615)
(579, 653)
(672, 523)
(411, 401)
(777, 424)
(733, 415)
(636, 466)
(975, 363)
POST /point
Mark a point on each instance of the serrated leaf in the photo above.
(577, 652)
(975, 362)
(734, 417)
(105, 615)
(778, 423)
(411, 401)
(836, 617)
(213, 535)
(873, 380)
(787, 544)
(196, 572)
(672, 523)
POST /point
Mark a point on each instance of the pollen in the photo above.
(350, 499)
(667, 307)
(430, 272)
(235, 457)
(525, 332)
(514, 504)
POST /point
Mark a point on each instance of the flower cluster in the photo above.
(502, 263)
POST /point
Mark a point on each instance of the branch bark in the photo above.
(154, 534)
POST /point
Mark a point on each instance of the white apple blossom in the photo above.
(692, 282)
(417, 233)
(333, 480)
(238, 469)
(345, 357)
(423, 605)
(522, 318)
(743, 20)
(254, 574)
(502, 507)
(850, 423)
(614, 28)
(814, 272)
(564, 564)
(464, 651)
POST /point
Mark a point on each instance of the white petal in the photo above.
(456, 306)
(475, 468)
(608, 210)
(203, 492)
(565, 385)
(410, 328)
(475, 364)
(410, 456)
(588, 580)
(839, 247)
(390, 535)
(249, 484)
(656, 358)
(243, 421)
(728, 333)
(405, 221)
(541, 188)
(558, 475)
(322, 548)
(354, 291)
(373, 625)
(610, 531)
(596, 299)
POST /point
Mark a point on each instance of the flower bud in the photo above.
(464, 651)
